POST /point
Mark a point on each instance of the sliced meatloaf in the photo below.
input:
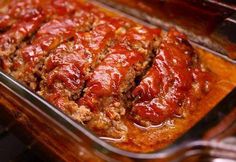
(105, 94)
(68, 66)
(97, 67)
(28, 16)
(28, 61)
(16, 9)
(169, 85)
(11, 40)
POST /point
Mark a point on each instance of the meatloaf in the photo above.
(27, 17)
(106, 89)
(12, 38)
(100, 68)
(67, 68)
(14, 11)
(171, 84)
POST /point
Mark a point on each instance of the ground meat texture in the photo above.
(167, 85)
(106, 87)
(29, 22)
(16, 9)
(10, 40)
(68, 66)
(29, 59)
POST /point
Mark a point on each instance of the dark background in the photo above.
(12, 147)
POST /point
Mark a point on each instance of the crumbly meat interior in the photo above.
(106, 90)
(99, 68)
(67, 68)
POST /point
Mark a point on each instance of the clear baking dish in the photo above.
(70, 141)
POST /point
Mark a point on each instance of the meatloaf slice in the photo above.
(11, 40)
(106, 87)
(28, 61)
(167, 87)
(16, 9)
(68, 66)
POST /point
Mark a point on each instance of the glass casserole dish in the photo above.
(61, 132)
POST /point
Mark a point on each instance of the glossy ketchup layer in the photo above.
(166, 88)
